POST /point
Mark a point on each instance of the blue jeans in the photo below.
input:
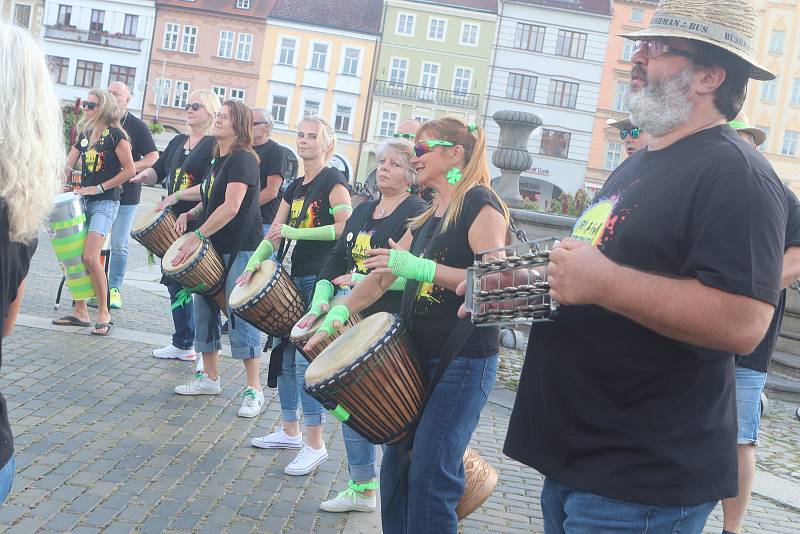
(749, 385)
(120, 232)
(293, 373)
(245, 339)
(436, 475)
(182, 318)
(7, 478)
(569, 511)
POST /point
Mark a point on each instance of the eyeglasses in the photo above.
(221, 116)
(423, 147)
(89, 105)
(259, 123)
(633, 132)
(195, 106)
(656, 48)
(404, 135)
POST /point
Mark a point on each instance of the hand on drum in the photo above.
(186, 250)
(182, 223)
(309, 318)
(320, 335)
(579, 273)
(246, 276)
(166, 202)
(379, 258)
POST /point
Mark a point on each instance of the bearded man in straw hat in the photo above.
(626, 402)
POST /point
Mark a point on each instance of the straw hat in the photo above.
(620, 124)
(740, 124)
(726, 24)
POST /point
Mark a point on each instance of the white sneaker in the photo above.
(174, 353)
(278, 440)
(252, 402)
(306, 460)
(200, 385)
(352, 499)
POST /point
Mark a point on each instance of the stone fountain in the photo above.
(512, 156)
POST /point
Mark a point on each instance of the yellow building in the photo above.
(318, 59)
(25, 13)
(775, 106)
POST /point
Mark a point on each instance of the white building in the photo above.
(548, 60)
(91, 43)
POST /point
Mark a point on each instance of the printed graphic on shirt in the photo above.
(362, 245)
(95, 161)
(311, 219)
(429, 293)
(598, 224)
(185, 182)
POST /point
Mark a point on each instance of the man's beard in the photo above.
(661, 106)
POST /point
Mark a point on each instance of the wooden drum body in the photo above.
(155, 230)
(300, 336)
(270, 302)
(480, 479)
(203, 272)
(68, 228)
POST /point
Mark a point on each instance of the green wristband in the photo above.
(200, 235)
(404, 264)
(337, 313)
(323, 293)
(398, 285)
(263, 252)
(320, 233)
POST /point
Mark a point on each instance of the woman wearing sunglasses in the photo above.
(465, 218)
(183, 164)
(106, 163)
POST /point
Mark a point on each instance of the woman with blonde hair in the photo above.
(183, 164)
(313, 212)
(465, 218)
(106, 163)
(31, 164)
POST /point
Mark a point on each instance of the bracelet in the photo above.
(177, 195)
(100, 188)
(200, 235)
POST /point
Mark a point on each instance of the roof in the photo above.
(362, 16)
(258, 8)
(476, 5)
(597, 7)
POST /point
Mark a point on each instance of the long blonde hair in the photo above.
(211, 102)
(474, 173)
(31, 134)
(107, 115)
(326, 134)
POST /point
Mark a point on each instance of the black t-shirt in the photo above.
(351, 248)
(608, 406)
(273, 161)
(308, 256)
(435, 309)
(760, 358)
(15, 259)
(183, 170)
(99, 163)
(245, 228)
(141, 144)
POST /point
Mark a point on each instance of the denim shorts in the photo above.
(101, 215)
(749, 385)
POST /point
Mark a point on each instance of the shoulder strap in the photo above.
(172, 165)
(312, 192)
(419, 247)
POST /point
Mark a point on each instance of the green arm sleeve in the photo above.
(263, 252)
(321, 233)
(405, 265)
(323, 293)
(339, 313)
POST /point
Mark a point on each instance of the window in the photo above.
(388, 123)
(131, 25)
(436, 29)
(189, 41)
(521, 87)
(311, 108)
(777, 41)
(627, 50)
(613, 156)
(763, 146)
(790, 143)
(64, 15)
(98, 19)
(126, 75)
(619, 96)
(279, 108)
(555, 144)
(219, 91)
(341, 122)
(225, 48)
(351, 56)
(59, 66)
(87, 73)
(405, 24)
(244, 49)
(796, 92)
(22, 15)
(163, 88)
(287, 51)
(637, 15)
(237, 94)
(171, 36)
(562, 94)
(462, 81)
(469, 34)
(529, 37)
(181, 94)
(570, 44)
(397, 74)
(319, 56)
(769, 90)
(430, 75)
(421, 118)
(243, 4)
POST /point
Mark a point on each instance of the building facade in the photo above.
(607, 150)
(24, 13)
(433, 62)
(204, 44)
(91, 43)
(548, 59)
(318, 59)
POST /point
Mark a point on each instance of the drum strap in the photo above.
(283, 248)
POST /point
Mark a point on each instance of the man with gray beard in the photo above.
(626, 402)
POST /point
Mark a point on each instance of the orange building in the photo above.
(203, 44)
(606, 150)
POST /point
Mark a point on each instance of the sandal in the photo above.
(70, 320)
(98, 326)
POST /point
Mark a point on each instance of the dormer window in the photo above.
(243, 4)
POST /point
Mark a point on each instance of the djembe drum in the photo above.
(67, 230)
(202, 272)
(300, 336)
(155, 230)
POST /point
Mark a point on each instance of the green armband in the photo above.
(337, 313)
(398, 285)
(320, 233)
(263, 252)
(340, 207)
(405, 265)
(323, 293)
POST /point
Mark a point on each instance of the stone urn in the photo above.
(512, 156)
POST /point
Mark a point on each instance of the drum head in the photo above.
(241, 294)
(172, 251)
(146, 219)
(66, 198)
(302, 332)
(349, 347)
